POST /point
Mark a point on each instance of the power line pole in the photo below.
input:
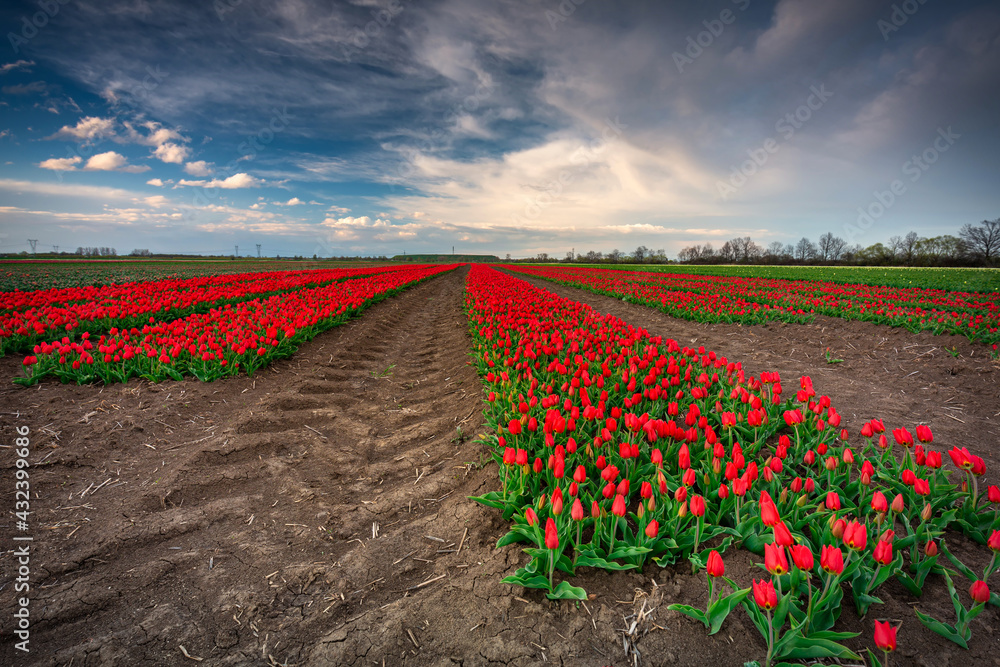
(55, 249)
(258, 251)
(237, 251)
(32, 243)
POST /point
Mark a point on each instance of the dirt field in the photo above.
(318, 515)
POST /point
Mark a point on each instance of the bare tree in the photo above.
(640, 254)
(615, 255)
(805, 250)
(831, 247)
(727, 253)
(983, 240)
(909, 247)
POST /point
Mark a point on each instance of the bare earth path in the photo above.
(317, 514)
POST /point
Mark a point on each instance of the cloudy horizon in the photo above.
(377, 127)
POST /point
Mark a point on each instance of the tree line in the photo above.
(975, 245)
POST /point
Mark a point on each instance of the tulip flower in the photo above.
(961, 458)
(879, 503)
(652, 529)
(931, 549)
(922, 487)
(514, 426)
(775, 560)
(782, 536)
(924, 434)
(993, 493)
(980, 592)
(832, 501)
(831, 559)
(856, 536)
(715, 566)
(551, 535)
(897, 503)
(768, 510)
(802, 556)
(883, 552)
(764, 595)
(903, 437)
(576, 512)
(530, 516)
(838, 528)
(618, 507)
(885, 637)
(697, 505)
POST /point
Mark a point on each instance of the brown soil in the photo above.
(318, 514)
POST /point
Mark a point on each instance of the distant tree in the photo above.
(508, 257)
(640, 254)
(615, 256)
(593, 256)
(940, 250)
(831, 247)
(789, 251)
(707, 252)
(895, 246)
(983, 240)
(727, 253)
(908, 247)
(543, 257)
(140, 252)
(805, 250)
(744, 249)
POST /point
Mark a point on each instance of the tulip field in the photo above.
(616, 448)
(431, 464)
(756, 300)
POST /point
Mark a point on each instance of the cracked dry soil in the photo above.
(317, 514)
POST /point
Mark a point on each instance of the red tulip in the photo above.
(961, 458)
(885, 636)
(768, 510)
(551, 535)
(994, 541)
(897, 503)
(933, 460)
(538, 465)
(922, 487)
(883, 552)
(931, 549)
(697, 506)
(903, 437)
(521, 458)
(684, 457)
(782, 535)
(509, 456)
(831, 559)
(879, 503)
(908, 477)
(924, 434)
(618, 507)
(832, 501)
(980, 592)
(775, 560)
(652, 529)
(993, 493)
(576, 512)
(855, 536)
(802, 556)
(514, 426)
(689, 477)
(838, 528)
(530, 516)
(715, 566)
(764, 594)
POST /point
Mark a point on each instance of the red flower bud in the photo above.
(980, 592)
(764, 594)
(576, 512)
(618, 507)
(803, 557)
(551, 535)
(697, 506)
(715, 567)
(832, 559)
(885, 636)
(652, 529)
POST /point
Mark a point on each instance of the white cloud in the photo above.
(20, 64)
(68, 190)
(155, 181)
(294, 201)
(156, 201)
(61, 163)
(234, 182)
(87, 129)
(112, 161)
(171, 153)
(199, 168)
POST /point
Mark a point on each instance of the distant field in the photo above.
(952, 279)
(46, 274)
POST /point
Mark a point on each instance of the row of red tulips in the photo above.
(27, 318)
(616, 447)
(224, 341)
(757, 300)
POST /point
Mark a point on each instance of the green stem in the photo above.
(810, 605)
(770, 638)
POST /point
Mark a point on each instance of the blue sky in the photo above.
(389, 126)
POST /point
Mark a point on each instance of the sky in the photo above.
(378, 127)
